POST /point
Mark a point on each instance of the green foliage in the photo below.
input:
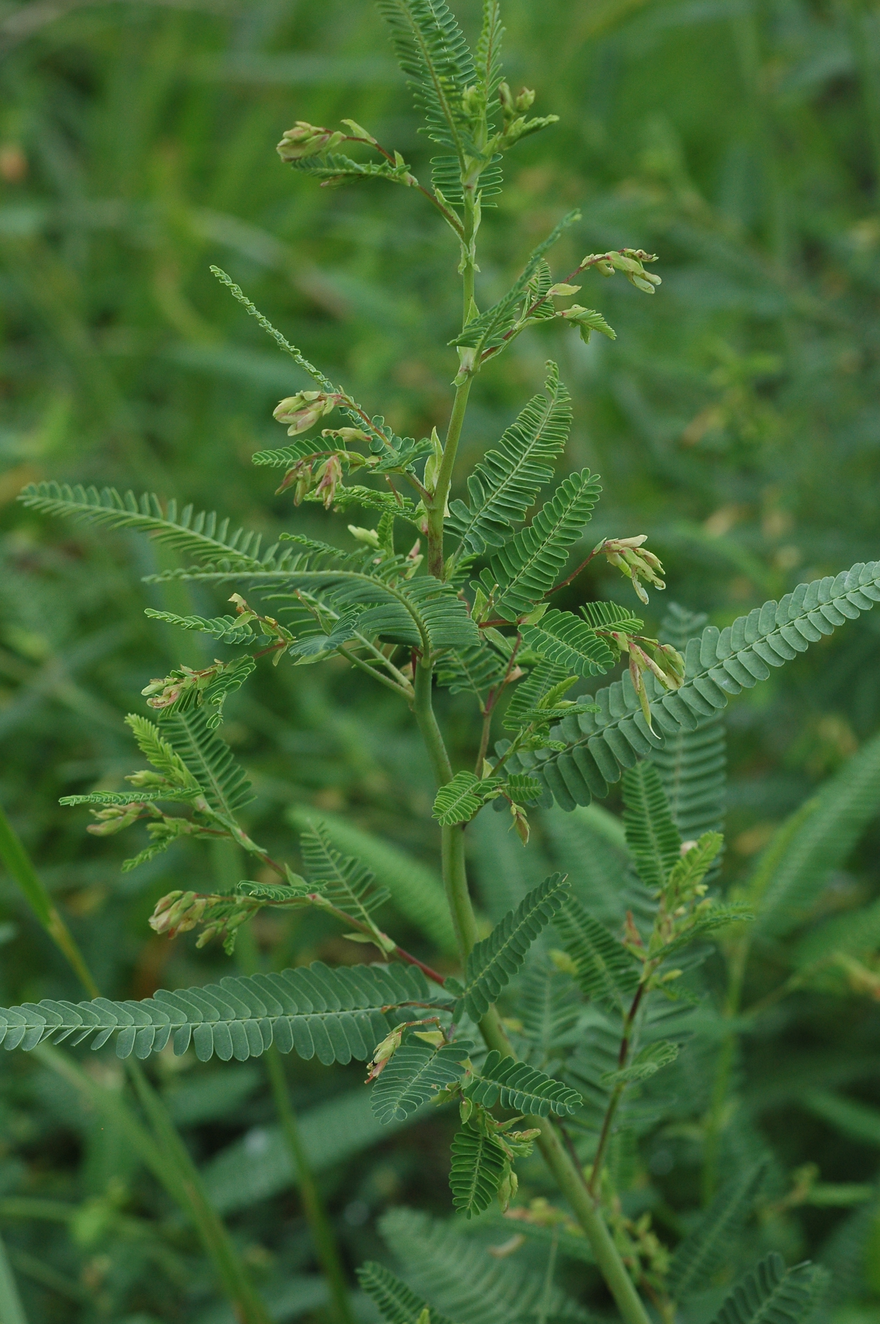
(524, 1089)
(709, 420)
(415, 1074)
(814, 842)
(395, 1301)
(342, 880)
(773, 1294)
(569, 643)
(494, 961)
(718, 664)
(478, 1168)
(708, 1246)
(208, 759)
(334, 1015)
(527, 566)
(651, 834)
(504, 485)
(603, 968)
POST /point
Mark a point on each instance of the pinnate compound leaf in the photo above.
(651, 834)
(719, 664)
(315, 1011)
(225, 629)
(707, 1248)
(460, 799)
(200, 535)
(648, 1062)
(396, 1303)
(432, 52)
(527, 566)
(478, 1168)
(603, 968)
(521, 1088)
(504, 485)
(772, 1294)
(568, 642)
(343, 880)
(208, 759)
(414, 1075)
(494, 961)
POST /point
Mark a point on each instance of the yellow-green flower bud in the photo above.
(305, 140)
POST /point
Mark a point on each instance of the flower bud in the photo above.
(384, 1052)
(329, 476)
(113, 819)
(305, 140)
(303, 410)
(524, 100)
(505, 96)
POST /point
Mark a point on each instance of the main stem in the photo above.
(568, 1178)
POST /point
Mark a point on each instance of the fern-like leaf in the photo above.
(225, 629)
(488, 53)
(651, 835)
(504, 485)
(521, 1088)
(461, 798)
(527, 566)
(199, 535)
(315, 1011)
(705, 1250)
(772, 1294)
(342, 880)
(494, 961)
(433, 53)
(209, 760)
(395, 1302)
(570, 643)
(477, 1171)
(414, 1075)
(473, 670)
(718, 665)
(603, 968)
(471, 1286)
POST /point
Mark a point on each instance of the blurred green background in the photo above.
(735, 421)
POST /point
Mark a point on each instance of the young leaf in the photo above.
(478, 1168)
(225, 629)
(209, 760)
(521, 1088)
(648, 1062)
(527, 566)
(414, 1075)
(568, 642)
(463, 797)
(432, 51)
(343, 881)
(504, 485)
(494, 961)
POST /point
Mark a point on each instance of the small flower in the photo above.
(634, 561)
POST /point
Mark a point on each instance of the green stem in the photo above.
(569, 1179)
(584, 1205)
(437, 510)
(320, 1226)
(617, 1093)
